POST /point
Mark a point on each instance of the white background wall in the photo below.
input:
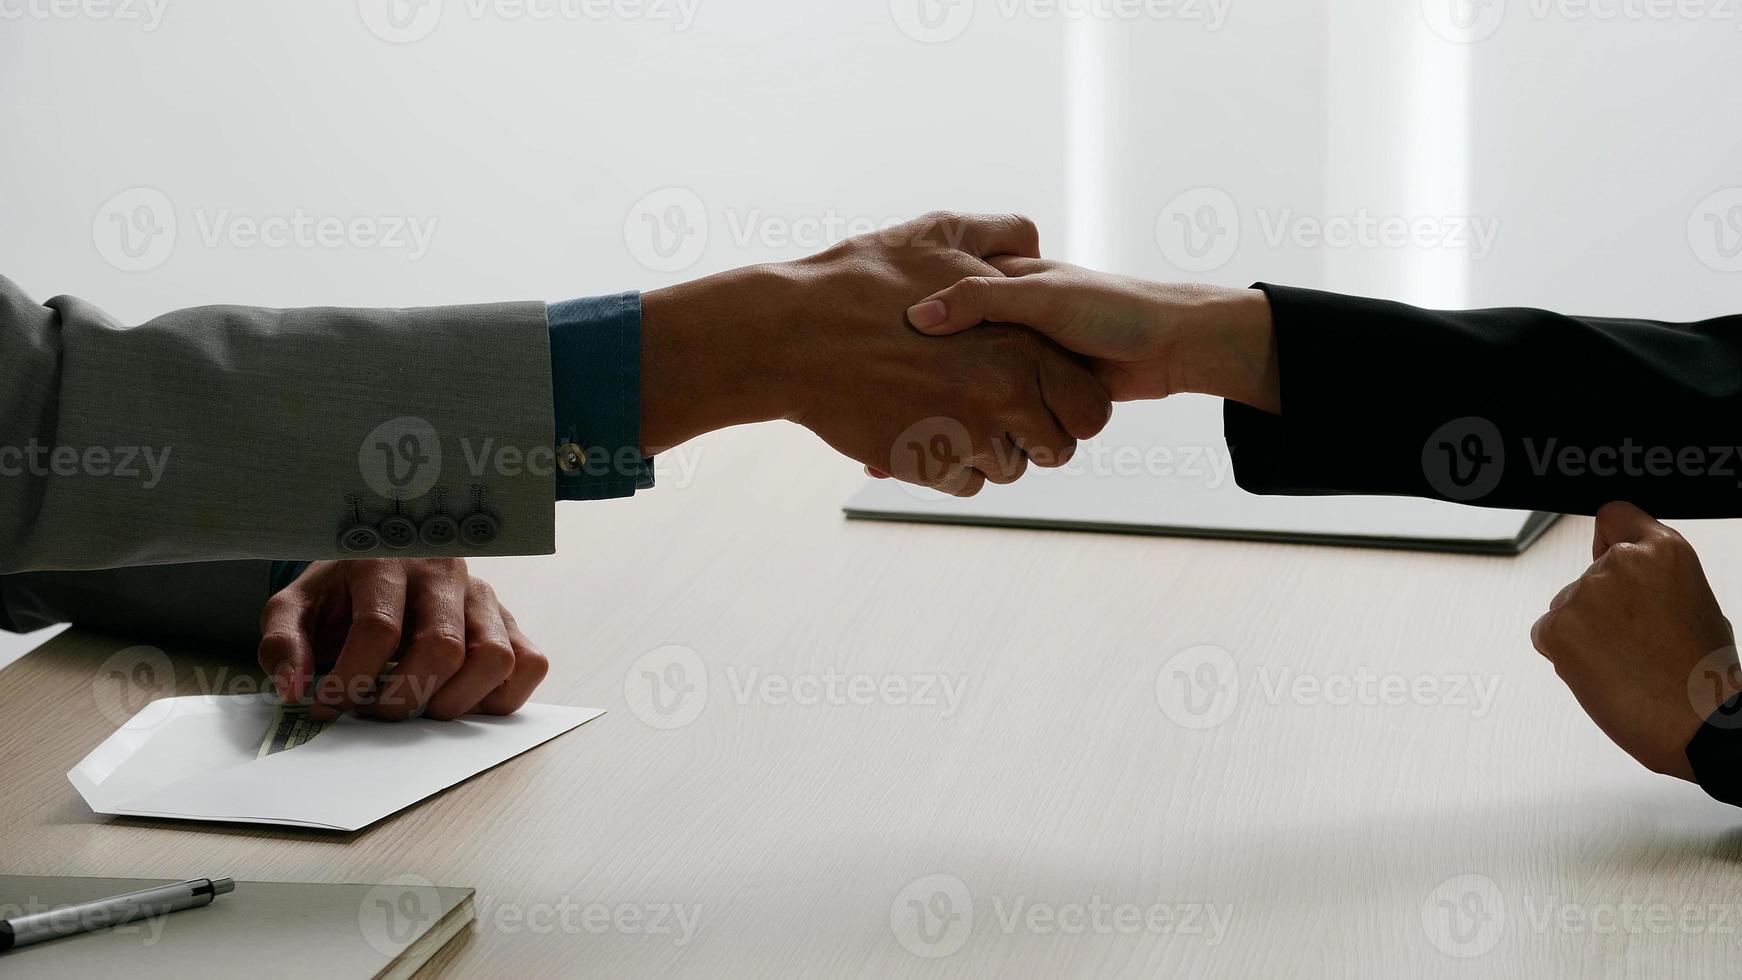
(525, 145)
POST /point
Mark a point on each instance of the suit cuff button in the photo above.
(479, 529)
(439, 531)
(571, 458)
(398, 532)
(359, 538)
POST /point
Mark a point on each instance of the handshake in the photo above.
(869, 345)
(943, 352)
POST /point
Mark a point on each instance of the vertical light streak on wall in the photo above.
(1438, 155)
(1088, 109)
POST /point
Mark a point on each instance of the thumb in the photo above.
(1618, 523)
(1023, 300)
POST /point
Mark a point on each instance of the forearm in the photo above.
(1506, 408)
(1231, 341)
(713, 355)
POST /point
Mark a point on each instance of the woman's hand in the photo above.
(458, 651)
(1146, 340)
(1640, 640)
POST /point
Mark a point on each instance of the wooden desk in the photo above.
(1318, 835)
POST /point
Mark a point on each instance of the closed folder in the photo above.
(195, 758)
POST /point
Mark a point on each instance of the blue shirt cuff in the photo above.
(595, 383)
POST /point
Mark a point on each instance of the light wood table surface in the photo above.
(1065, 815)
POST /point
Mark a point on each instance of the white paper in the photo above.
(194, 758)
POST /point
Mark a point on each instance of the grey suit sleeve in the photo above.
(216, 602)
(239, 433)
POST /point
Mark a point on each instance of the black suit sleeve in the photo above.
(1511, 408)
(1715, 753)
(210, 603)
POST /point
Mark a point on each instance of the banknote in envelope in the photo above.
(291, 726)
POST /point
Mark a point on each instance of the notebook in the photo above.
(262, 929)
(1164, 468)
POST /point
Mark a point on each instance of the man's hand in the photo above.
(824, 342)
(1640, 640)
(458, 651)
(1148, 340)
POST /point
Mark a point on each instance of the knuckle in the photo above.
(483, 590)
(275, 648)
(377, 625)
(533, 665)
(974, 291)
(1629, 554)
(494, 656)
(446, 648)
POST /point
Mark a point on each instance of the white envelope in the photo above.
(194, 758)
